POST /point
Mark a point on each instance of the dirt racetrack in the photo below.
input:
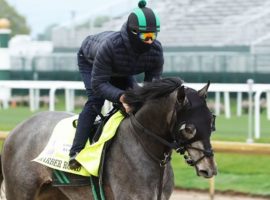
(195, 195)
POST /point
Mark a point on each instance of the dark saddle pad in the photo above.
(61, 178)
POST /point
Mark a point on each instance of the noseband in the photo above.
(206, 153)
(185, 145)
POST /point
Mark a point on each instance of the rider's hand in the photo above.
(125, 105)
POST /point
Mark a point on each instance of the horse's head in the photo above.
(188, 121)
(194, 124)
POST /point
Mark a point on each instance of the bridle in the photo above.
(180, 147)
(184, 145)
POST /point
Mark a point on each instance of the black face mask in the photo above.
(137, 45)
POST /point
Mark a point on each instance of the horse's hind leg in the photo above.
(49, 192)
(16, 193)
(33, 184)
(26, 181)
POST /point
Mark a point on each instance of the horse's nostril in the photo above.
(204, 173)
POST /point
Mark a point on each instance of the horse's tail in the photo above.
(1, 173)
(3, 191)
(3, 188)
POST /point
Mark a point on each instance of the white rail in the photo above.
(70, 86)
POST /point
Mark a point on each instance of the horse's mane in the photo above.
(151, 90)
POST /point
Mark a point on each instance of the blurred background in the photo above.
(221, 40)
(224, 41)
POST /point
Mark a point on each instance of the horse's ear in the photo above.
(203, 92)
(181, 96)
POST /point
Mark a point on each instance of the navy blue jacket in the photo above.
(111, 55)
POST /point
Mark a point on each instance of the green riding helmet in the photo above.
(143, 19)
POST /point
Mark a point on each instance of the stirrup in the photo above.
(73, 163)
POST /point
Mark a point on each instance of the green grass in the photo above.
(248, 174)
(13, 116)
(240, 173)
(236, 129)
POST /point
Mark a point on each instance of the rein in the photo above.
(167, 155)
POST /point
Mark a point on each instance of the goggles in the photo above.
(147, 36)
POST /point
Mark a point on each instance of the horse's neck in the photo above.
(154, 118)
(128, 164)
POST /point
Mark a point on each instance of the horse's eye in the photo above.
(190, 128)
(189, 131)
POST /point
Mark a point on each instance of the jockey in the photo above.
(107, 62)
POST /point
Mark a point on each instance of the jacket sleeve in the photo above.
(156, 72)
(102, 72)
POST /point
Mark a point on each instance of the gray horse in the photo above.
(167, 116)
